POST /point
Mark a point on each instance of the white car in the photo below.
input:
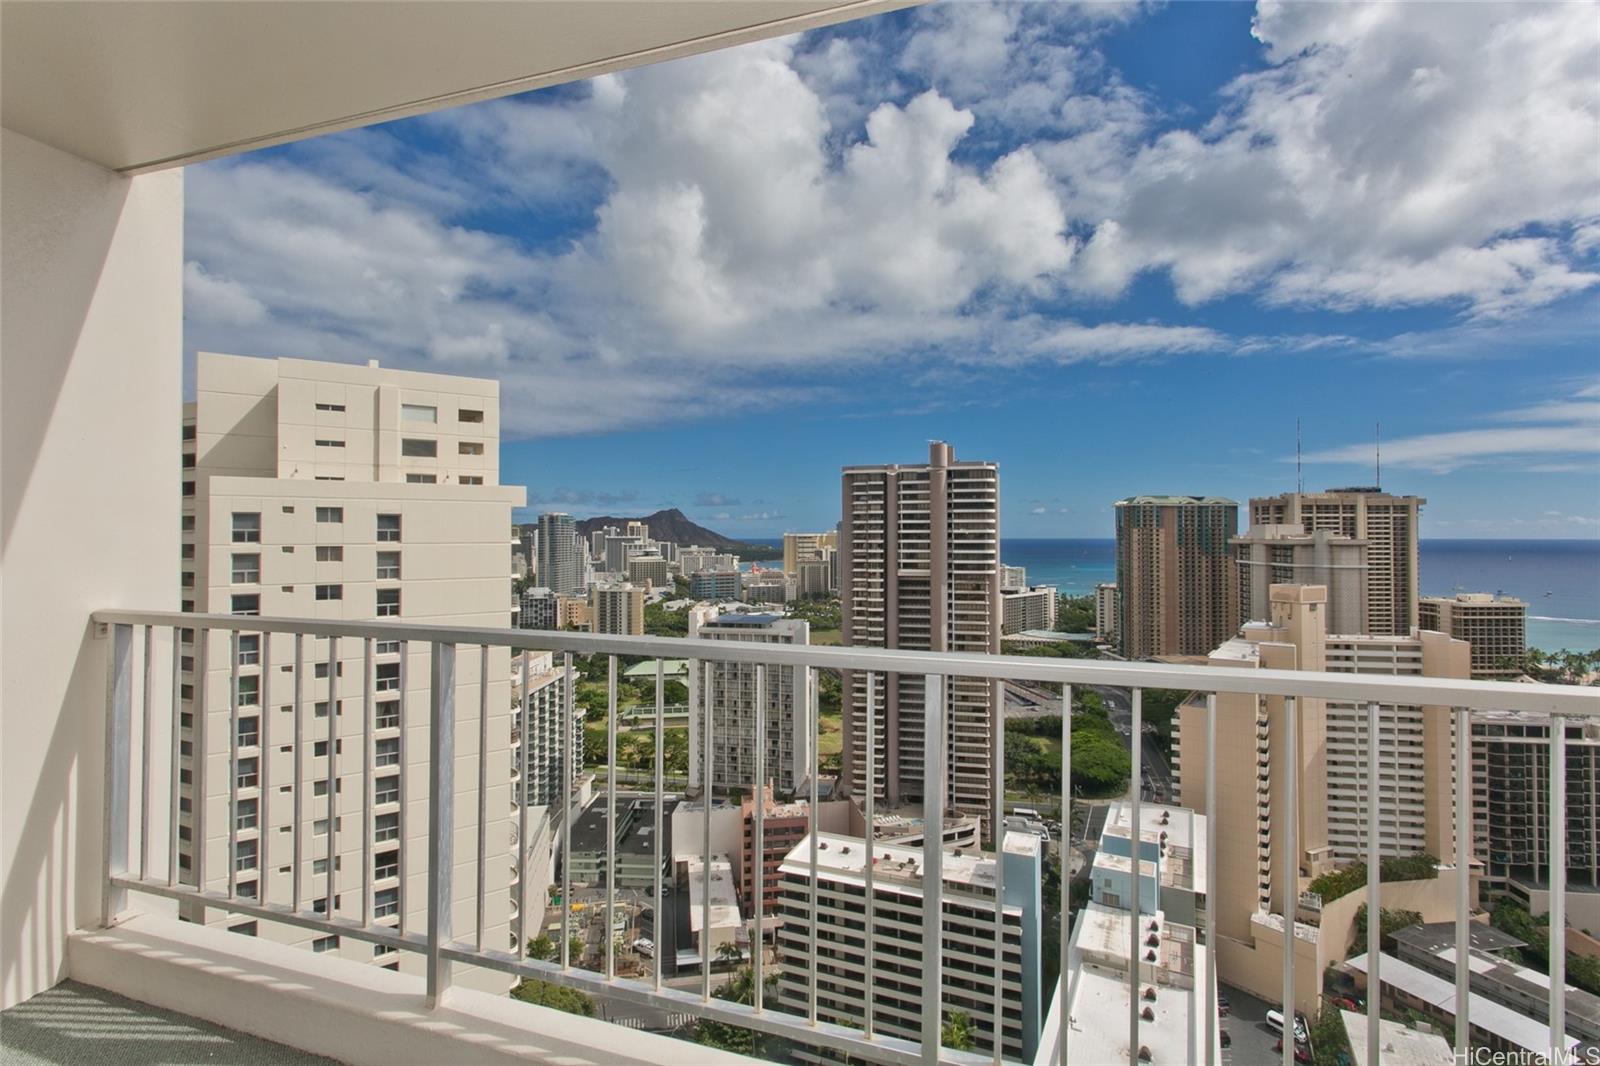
(645, 947)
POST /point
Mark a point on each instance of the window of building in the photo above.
(388, 603)
(186, 523)
(388, 566)
(386, 647)
(186, 579)
(330, 592)
(418, 412)
(386, 902)
(468, 415)
(247, 604)
(320, 669)
(379, 950)
(186, 551)
(245, 813)
(329, 442)
(387, 791)
(330, 553)
(330, 407)
(247, 889)
(419, 447)
(388, 715)
(328, 477)
(386, 865)
(330, 514)
(325, 943)
(188, 488)
(386, 826)
(388, 677)
(421, 479)
(249, 649)
(387, 752)
(471, 479)
(247, 527)
(186, 606)
(249, 690)
(320, 709)
(470, 447)
(388, 527)
(188, 461)
(319, 750)
(320, 788)
(249, 731)
(243, 928)
(188, 433)
(249, 775)
(246, 568)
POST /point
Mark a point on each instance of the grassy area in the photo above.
(831, 738)
(825, 636)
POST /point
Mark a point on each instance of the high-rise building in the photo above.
(715, 585)
(1496, 627)
(817, 577)
(1023, 609)
(538, 609)
(1013, 577)
(783, 825)
(597, 540)
(1271, 554)
(616, 608)
(637, 529)
(897, 994)
(619, 550)
(545, 693)
(768, 586)
(1511, 808)
(560, 559)
(1177, 588)
(919, 551)
(1105, 609)
(805, 547)
(649, 568)
(318, 490)
(731, 688)
(694, 558)
(1388, 526)
(1253, 765)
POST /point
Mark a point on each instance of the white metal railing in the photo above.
(129, 867)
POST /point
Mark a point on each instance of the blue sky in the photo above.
(1117, 248)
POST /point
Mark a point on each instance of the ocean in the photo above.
(1558, 579)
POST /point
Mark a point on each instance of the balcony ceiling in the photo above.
(139, 85)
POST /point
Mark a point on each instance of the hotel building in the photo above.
(1177, 590)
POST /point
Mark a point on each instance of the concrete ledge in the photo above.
(347, 1010)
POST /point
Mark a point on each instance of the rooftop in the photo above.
(846, 857)
(1508, 1025)
(1177, 501)
(1398, 1045)
(724, 894)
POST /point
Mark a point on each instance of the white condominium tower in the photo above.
(919, 553)
(560, 554)
(318, 490)
(731, 688)
(1388, 526)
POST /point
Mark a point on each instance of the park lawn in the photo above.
(830, 740)
(825, 636)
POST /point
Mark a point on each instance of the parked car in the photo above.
(644, 946)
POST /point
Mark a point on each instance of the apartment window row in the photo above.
(329, 442)
(429, 414)
(335, 407)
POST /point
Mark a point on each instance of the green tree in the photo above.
(575, 947)
(542, 948)
(1562, 667)
(957, 1032)
(1582, 971)
(740, 988)
(1390, 922)
(1075, 614)
(545, 994)
(1329, 1041)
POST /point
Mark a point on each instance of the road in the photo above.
(1253, 1042)
(1157, 772)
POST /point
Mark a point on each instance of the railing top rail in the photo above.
(1346, 687)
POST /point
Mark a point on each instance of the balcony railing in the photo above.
(133, 864)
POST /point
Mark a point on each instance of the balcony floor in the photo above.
(75, 1024)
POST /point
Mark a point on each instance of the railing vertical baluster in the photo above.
(198, 760)
(483, 797)
(403, 897)
(760, 783)
(1463, 769)
(570, 735)
(263, 770)
(295, 877)
(933, 869)
(655, 898)
(814, 724)
(1558, 883)
(147, 710)
(869, 917)
(176, 769)
(1211, 879)
(368, 709)
(119, 755)
(1063, 989)
(998, 833)
(611, 815)
(1374, 876)
(705, 868)
(441, 814)
(1291, 867)
(233, 763)
(1136, 840)
(523, 722)
(331, 880)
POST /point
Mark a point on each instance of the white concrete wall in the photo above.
(90, 359)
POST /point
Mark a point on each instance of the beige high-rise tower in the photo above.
(1177, 591)
(1388, 526)
(345, 493)
(919, 549)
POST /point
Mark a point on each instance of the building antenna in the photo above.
(1377, 454)
(1299, 480)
